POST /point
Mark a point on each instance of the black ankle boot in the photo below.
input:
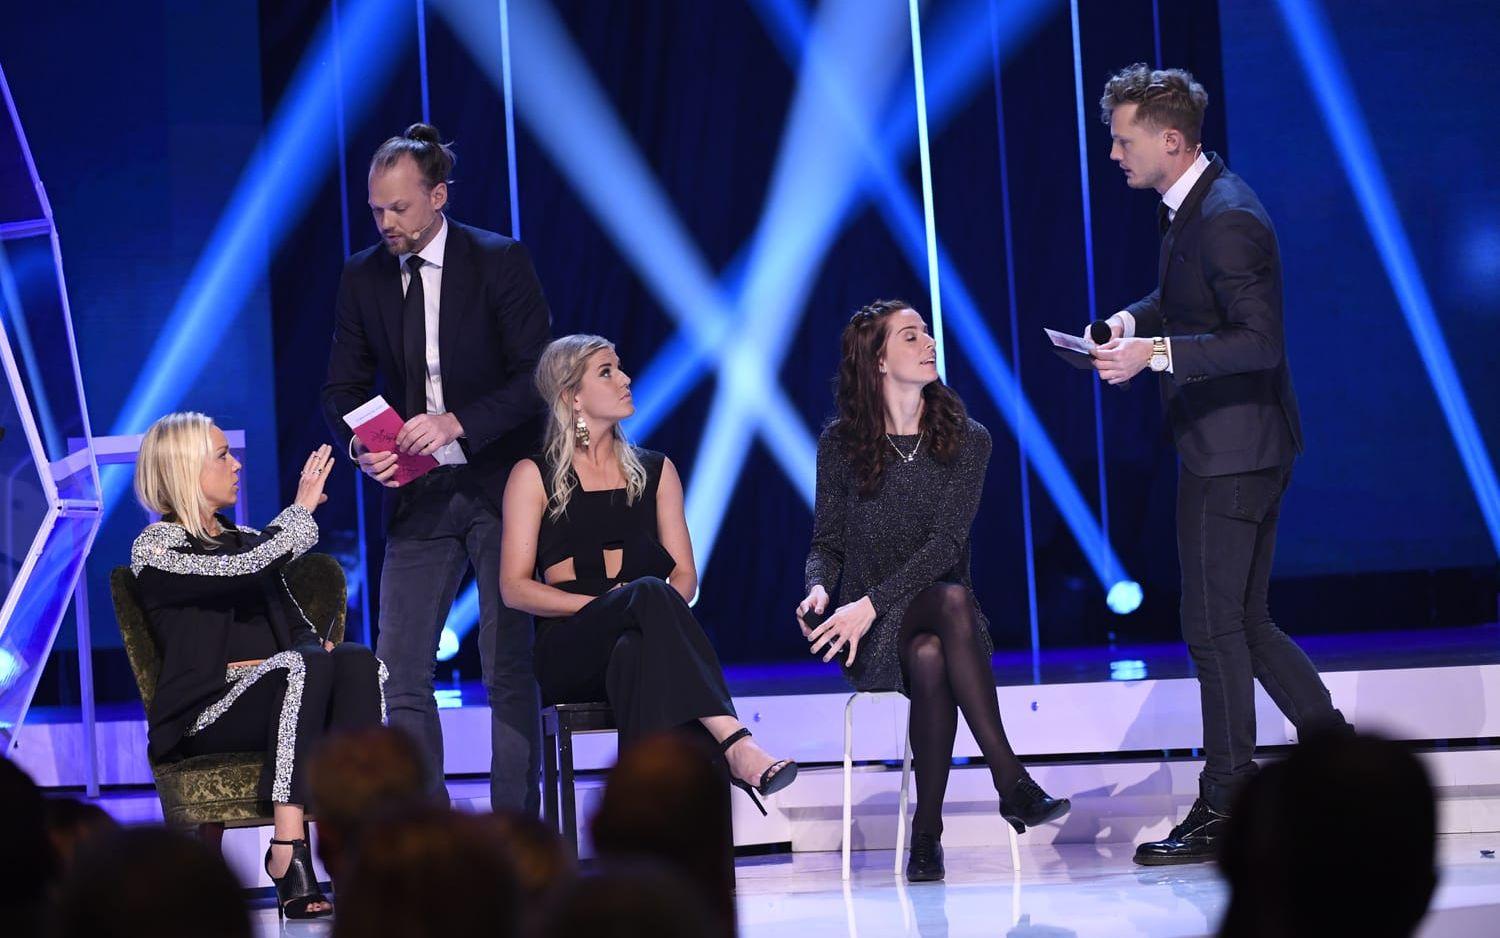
(1195, 840)
(925, 862)
(1026, 805)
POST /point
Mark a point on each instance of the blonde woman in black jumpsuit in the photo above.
(596, 546)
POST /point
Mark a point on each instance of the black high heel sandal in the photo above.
(297, 888)
(777, 775)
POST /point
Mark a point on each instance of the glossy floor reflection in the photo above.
(1063, 891)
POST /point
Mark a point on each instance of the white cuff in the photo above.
(1168, 341)
(1127, 323)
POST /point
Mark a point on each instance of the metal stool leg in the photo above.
(848, 778)
(905, 779)
(569, 806)
(86, 688)
(549, 776)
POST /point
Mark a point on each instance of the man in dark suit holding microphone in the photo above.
(1212, 330)
(452, 320)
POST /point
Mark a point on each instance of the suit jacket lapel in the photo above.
(455, 297)
(388, 300)
(1190, 206)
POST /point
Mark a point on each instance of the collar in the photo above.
(433, 253)
(1178, 193)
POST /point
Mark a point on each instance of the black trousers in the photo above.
(1226, 539)
(284, 707)
(639, 648)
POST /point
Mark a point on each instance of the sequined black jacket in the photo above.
(192, 591)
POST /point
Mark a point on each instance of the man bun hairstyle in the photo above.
(425, 146)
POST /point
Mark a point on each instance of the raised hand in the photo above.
(314, 477)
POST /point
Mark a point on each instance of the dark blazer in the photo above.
(493, 324)
(193, 592)
(1229, 397)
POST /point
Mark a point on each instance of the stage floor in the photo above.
(1063, 891)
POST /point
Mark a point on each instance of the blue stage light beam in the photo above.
(1318, 51)
(849, 65)
(985, 356)
(508, 92)
(924, 149)
(960, 63)
(676, 368)
(775, 284)
(571, 118)
(1023, 468)
(359, 582)
(272, 193)
(957, 63)
(687, 357)
(1088, 258)
(797, 459)
(11, 309)
(904, 219)
(573, 121)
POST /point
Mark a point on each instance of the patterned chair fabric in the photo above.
(220, 789)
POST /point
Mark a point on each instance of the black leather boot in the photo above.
(1026, 805)
(1195, 840)
(925, 862)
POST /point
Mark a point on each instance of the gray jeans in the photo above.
(443, 525)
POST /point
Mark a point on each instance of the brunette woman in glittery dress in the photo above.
(900, 472)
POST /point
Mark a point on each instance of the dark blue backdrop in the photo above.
(144, 129)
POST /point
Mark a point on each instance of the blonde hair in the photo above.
(559, 374)
(169, 467)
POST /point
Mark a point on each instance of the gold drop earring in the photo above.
(581, 432)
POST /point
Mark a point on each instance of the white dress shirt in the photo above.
(1173, 198)
(432, 294)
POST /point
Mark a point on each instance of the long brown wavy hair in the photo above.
(859, 426)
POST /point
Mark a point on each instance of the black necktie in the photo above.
(414, 340)
(1163, 217)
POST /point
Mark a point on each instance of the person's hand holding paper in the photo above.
(378, 428)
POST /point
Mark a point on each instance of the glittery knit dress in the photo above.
(913, 532)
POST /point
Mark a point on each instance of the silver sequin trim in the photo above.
(300, 611)
(382, 675)
(163, 545)
(240, 679)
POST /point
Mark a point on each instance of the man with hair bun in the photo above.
(451, 320)
(1213, 330)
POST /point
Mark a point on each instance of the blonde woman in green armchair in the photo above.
(243, 669)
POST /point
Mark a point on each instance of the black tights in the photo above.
(946, 671)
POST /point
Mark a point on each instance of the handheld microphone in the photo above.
(1100, 332)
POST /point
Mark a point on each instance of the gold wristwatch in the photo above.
(1159, 359)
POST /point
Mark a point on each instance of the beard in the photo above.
(402, 245)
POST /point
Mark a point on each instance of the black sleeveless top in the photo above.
(599, 521)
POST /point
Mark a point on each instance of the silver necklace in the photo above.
(906, 457)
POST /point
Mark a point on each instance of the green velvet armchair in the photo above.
(213, 792)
